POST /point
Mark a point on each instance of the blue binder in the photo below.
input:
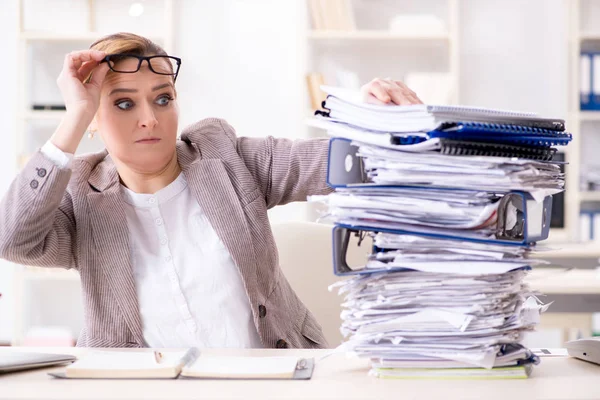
(501, 133)
(345, 170)
(343, 153)
(587, 101)
(341, 238)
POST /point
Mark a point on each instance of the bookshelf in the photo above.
(41, 48)
(584, 125)
(361, 41)
(375, 35)
(338, 30)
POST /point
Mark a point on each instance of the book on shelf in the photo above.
(48, 107)
(335, 15)
(314, 81)
(316, 16)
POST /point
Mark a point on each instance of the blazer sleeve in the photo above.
(37, 224)
(285, 170)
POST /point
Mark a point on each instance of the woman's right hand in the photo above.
(81, 99)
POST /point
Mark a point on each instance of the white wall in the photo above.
(514, 55)
(243, 61)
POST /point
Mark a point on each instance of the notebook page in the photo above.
(123, 361)
(241, 367)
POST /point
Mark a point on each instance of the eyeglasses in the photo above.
(162, 65)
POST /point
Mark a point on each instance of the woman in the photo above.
(170, 236)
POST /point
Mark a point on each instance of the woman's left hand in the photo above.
(389, 91)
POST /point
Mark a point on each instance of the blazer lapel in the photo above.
(210, 184)
(111, 238)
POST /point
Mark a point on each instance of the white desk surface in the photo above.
(336, 377)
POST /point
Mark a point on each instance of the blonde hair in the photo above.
(129, 43)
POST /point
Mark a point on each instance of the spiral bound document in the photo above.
(465, 148)
(347, 106)
(501, 133)
(530, 140)
(508, 129)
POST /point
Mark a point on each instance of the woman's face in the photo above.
(137, 118)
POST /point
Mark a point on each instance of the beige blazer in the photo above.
(56, 217)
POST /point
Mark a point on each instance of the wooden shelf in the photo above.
(589, 36)
(589, 115)
(561, 281)
(589, 196)
(60, 37)
(33, 36)
(557, 235)
(44, 115)
(374, 35)
(569, 250)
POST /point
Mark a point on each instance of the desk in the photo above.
(336, 377)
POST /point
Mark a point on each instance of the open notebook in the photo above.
(189, 364)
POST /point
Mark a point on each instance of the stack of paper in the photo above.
(446, 129)
(442, 294)
(452, 306)
(347, 107)
(465, 213)
(386, 166)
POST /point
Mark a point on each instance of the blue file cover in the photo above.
(341, 238)
(501, 133)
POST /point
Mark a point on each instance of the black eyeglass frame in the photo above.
(141, 59)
